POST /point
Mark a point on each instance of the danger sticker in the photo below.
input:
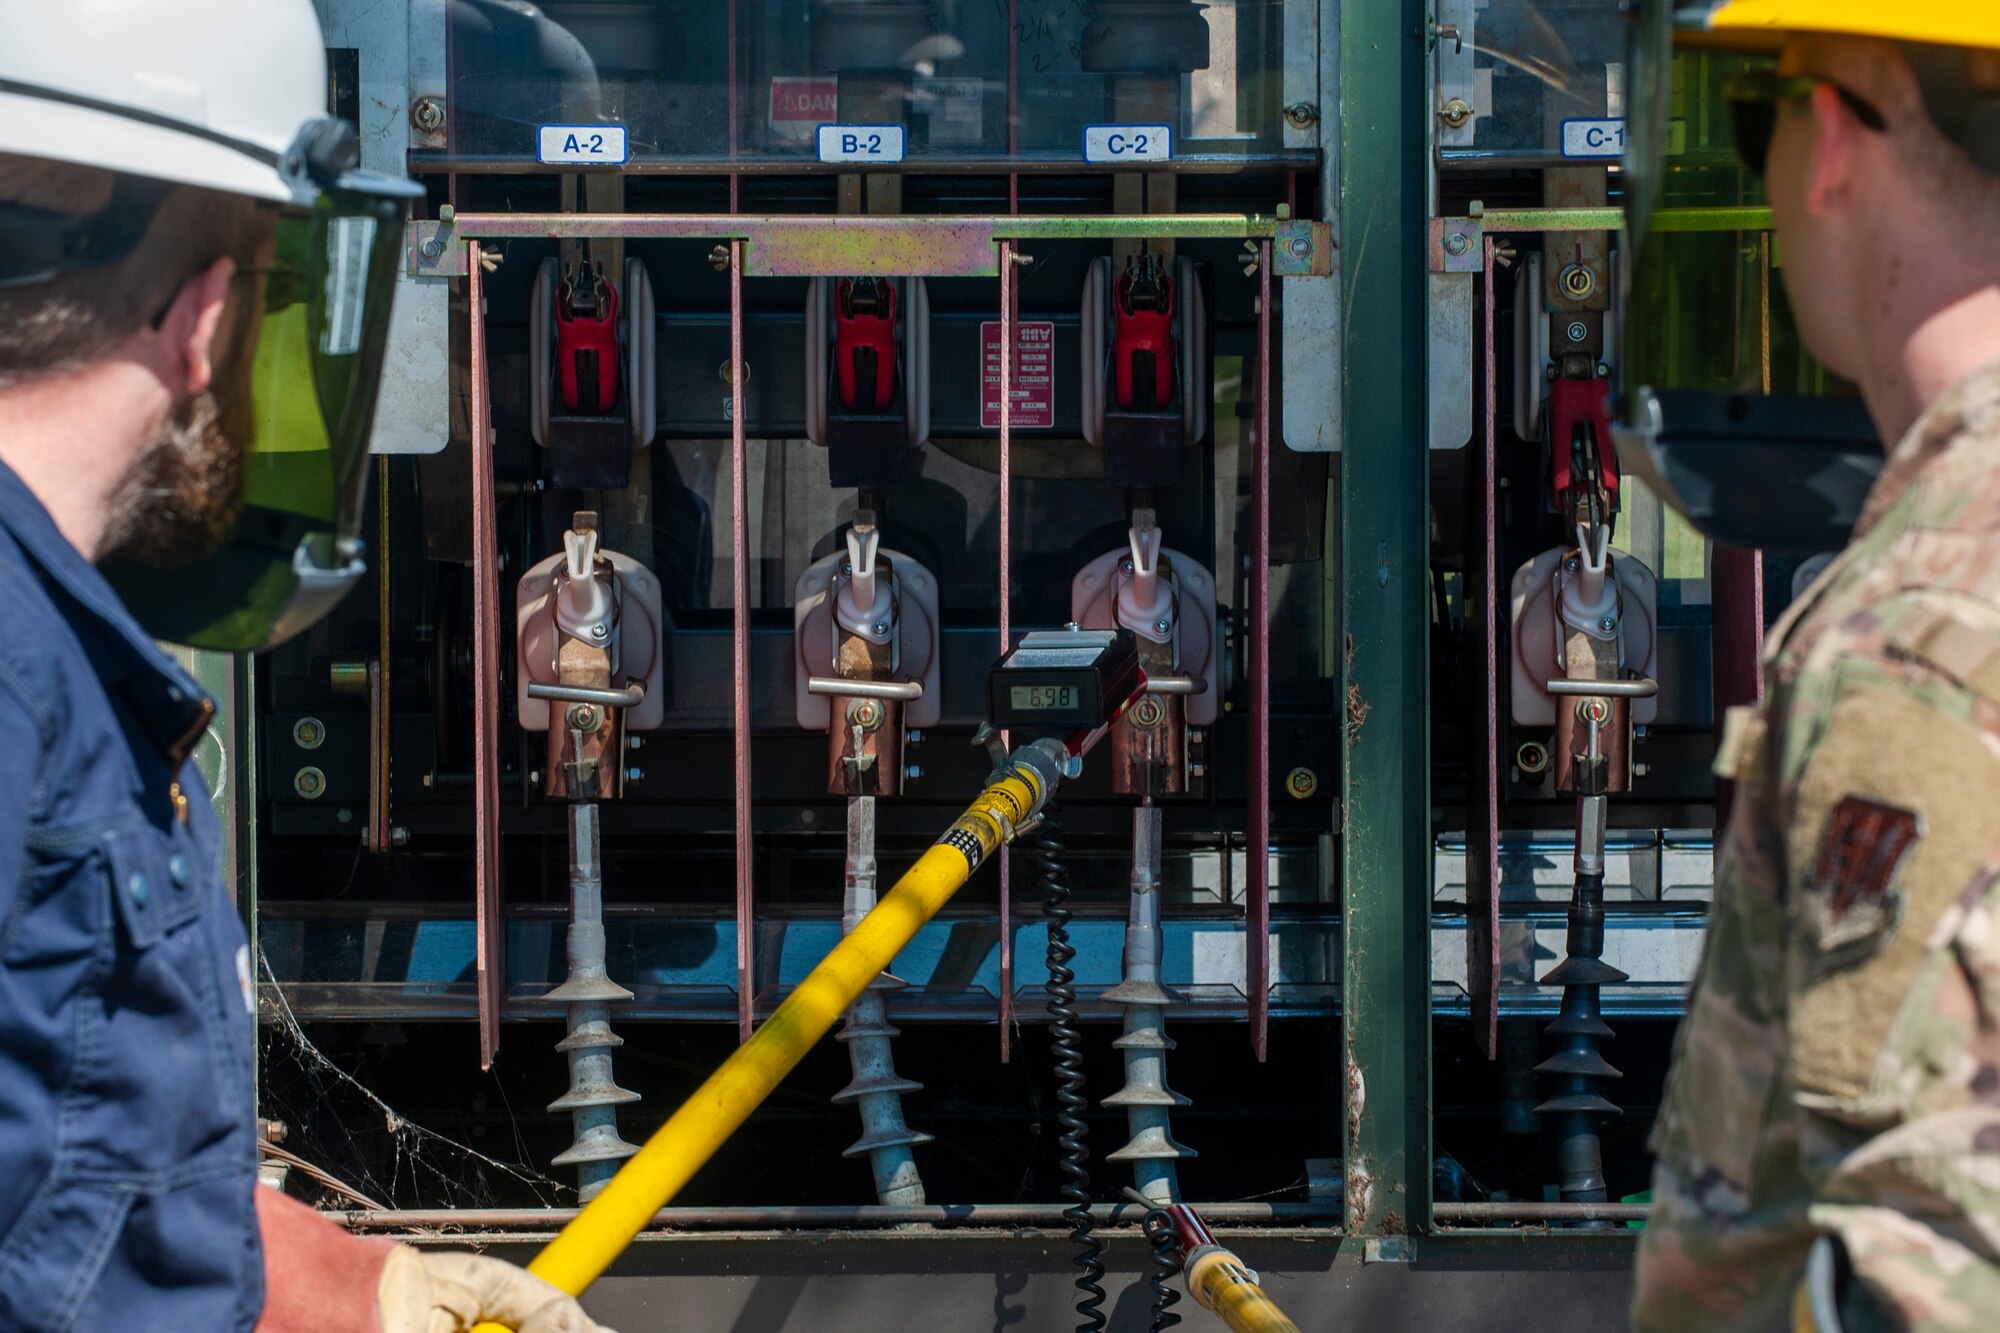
(1033, 392)
(800, 104)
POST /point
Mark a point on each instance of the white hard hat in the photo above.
(211, 93)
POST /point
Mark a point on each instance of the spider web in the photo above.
(337, 1122)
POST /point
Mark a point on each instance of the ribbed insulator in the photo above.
(1155, 1143)
(875, 1025)
(877, 1089)
(593, 1096)
(1578, 1070)
(1146, 1098)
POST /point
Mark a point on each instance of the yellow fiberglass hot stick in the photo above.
(607, 1224)
(1221, 1281)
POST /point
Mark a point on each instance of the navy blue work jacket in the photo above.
(127, 1156)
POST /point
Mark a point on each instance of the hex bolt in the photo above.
(913, 736)
(635, 774)
(308, 733)
(310, 783)
(634, 742)
(1577, 282)
(399, 836)
(427, 114)
(583, 717)
(912, 772)
(1148, 713)
(1301, 782)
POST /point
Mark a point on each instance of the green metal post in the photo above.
(1385, 671)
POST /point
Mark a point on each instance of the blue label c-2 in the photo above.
(1128, 143)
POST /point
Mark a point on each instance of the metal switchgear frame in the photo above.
(766, 373)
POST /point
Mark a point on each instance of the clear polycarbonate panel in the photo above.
(651, 80)
(1539, 77)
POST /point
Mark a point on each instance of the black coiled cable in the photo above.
(1066, 1043)
(1158, 1227)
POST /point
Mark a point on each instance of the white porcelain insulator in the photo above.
(1145, 600)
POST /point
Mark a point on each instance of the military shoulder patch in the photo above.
(1853, 901)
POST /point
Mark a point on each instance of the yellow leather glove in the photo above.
(449, 1291)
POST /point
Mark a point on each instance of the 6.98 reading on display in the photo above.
(1035, 698)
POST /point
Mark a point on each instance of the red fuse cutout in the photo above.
(587, 342)
(1142, 340)
(864, 344)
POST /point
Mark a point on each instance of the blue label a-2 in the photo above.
(1593, 138)
(1128, 143)
(582, 145)
(861, 143)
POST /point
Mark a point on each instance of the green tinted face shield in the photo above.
(1721, 409)
(314, 368)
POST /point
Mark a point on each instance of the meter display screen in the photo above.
(1037, 698)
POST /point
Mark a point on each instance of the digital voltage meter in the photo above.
(1064, 680)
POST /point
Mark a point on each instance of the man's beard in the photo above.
(179, 502)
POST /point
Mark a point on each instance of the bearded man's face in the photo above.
(179, 501)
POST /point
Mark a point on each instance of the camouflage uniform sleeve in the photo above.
(1728, 1230)
(1891, 818)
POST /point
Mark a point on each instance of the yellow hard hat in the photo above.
(1934, 22)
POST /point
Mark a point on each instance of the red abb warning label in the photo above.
(798, 104)
(1034, 388)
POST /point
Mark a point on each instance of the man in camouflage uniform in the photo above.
(1829, 1147)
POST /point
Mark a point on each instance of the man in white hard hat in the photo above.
(194, 296)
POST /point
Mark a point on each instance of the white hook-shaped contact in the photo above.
(1145, 601)
(864, 606)
(584, 605)
(1589, 601)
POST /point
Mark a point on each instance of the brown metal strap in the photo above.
(1257, 945)
(1482, 843)
(1006, 521)
(491, 959)
(746, 907)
